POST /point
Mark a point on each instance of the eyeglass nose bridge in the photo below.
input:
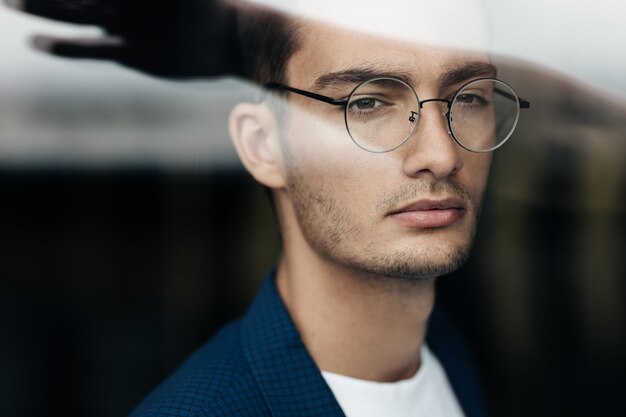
(421, 105)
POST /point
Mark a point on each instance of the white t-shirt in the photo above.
(427, 393)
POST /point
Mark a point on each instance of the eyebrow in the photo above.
(467, 71)
(358, 75)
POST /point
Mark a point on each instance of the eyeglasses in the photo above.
(381, 114)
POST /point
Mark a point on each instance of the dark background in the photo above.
(110, 277)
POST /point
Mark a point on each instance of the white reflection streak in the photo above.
(451, 23)
(584, 40)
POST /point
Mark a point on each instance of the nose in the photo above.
(431, 150)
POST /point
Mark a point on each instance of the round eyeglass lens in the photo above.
(483, 114)
(381, 114)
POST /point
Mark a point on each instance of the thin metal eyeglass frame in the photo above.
(522, 104)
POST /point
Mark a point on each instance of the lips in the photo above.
(427, 214)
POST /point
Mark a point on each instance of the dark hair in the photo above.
(268, 40)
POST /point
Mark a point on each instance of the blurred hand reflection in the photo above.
(147, 35)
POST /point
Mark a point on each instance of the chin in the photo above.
(416, 264)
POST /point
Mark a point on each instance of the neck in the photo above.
(352, 323)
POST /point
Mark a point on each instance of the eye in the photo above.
(470, 99)
(365, 103)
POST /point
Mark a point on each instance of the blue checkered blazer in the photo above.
(258, 366)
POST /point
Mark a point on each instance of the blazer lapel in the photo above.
(449, 347)
(291, 383)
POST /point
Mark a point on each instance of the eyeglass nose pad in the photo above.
(412, 120)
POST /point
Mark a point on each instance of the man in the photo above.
(376, 152)
(372, 207)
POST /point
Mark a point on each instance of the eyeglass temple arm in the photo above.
(523, 104)
(315, 96)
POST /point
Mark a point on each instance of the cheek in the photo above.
(319, 143)
(476, 171)
(323, 155)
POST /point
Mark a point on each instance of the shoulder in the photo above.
(215, 381)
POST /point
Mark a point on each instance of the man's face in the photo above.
(408, 213)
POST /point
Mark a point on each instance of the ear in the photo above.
(254, 131)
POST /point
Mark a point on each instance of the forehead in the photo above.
(326, 49)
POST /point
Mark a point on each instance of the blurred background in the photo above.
(130, 234)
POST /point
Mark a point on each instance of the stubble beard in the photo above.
(329, 230)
